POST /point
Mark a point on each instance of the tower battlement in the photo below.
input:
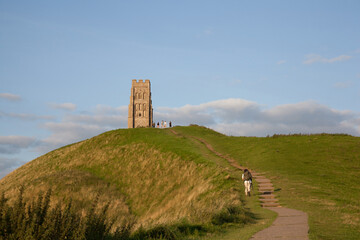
(140, 107)
(140, 81)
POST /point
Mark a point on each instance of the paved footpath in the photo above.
(290, 223)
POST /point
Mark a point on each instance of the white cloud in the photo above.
(14, 144)
(26, 116)
(76, 127)
(103, 120)
(313, 58)
(9, 164)
(63, 106)
(241, 117)
(209, 113)
(105, 116)
(64, 133)
(10, 96)
(103, 109)
(281, 62)
(308, 114)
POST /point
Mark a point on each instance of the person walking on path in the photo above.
(247, 178)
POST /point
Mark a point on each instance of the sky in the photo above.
(243, 68)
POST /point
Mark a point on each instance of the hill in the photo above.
(158, 177)
(150, 175)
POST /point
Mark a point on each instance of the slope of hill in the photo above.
(318, 174)
(146, 174)
(156, 176)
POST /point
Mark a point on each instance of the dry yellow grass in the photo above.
(137, 178)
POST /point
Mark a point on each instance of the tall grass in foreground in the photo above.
(37, 220)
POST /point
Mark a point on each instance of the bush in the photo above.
(35, 221)
(159, 232)
(170, 232)
(232, 214)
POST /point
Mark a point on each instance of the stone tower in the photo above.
(140, 107)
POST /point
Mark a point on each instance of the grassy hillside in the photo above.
(319, 174)
(150, 175)
(157, 177)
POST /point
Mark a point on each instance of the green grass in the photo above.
(318, 174)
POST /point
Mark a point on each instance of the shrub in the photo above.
(158, 232)
(37, 221)
(231, 214)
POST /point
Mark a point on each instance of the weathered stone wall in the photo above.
(140, 107)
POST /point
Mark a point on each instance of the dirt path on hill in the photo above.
(289, 224)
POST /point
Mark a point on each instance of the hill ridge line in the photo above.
(289, 224)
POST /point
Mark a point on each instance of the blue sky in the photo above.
(248, 68)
